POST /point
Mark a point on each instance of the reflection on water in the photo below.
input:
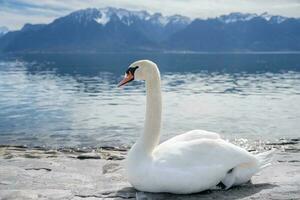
(73, 100)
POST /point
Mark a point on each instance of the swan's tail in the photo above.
(243, 172)
(265, 159)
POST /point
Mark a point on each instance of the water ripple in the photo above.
(46, 108)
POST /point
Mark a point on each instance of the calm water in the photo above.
(72, 100)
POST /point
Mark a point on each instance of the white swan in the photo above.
(192, 162)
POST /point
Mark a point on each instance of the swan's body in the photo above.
(192, 162)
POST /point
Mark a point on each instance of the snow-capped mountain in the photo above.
(238, 17)
(104, 29)
(3, 30)
(235, 17)
(105, 15)
(273, 18)
(116, 29)
(154, 27)
(178, 19)
(109, 14)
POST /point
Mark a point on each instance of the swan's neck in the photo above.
(150, 138)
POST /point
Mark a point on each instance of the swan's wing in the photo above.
(203, 152)
(190, 136)
(197, 164)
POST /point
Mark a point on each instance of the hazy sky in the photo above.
(14, 13)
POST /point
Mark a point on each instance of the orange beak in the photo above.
(127, 78)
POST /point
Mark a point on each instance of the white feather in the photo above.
(192, 162)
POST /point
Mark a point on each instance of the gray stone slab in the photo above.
(37, 174)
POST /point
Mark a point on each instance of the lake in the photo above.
(72, 100)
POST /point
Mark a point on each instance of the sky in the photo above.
(15, 13)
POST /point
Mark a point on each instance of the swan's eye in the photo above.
(131, 70)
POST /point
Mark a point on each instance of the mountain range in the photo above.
(3, 30)
(118, 30)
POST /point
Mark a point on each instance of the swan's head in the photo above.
(139, 70)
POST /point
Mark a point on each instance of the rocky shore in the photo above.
(71, 173)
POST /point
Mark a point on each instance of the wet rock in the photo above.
(295, 139)
(31, 155)
(41, 148)
(41, 168)
(91, 155)
(8, 156)
(292, 149)
(16, 146)
(293, 161)
(88, 196)
(113, 155)
(115, 148)
(110, 168)
(16, 149)
(51, 152)
(282, 143)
